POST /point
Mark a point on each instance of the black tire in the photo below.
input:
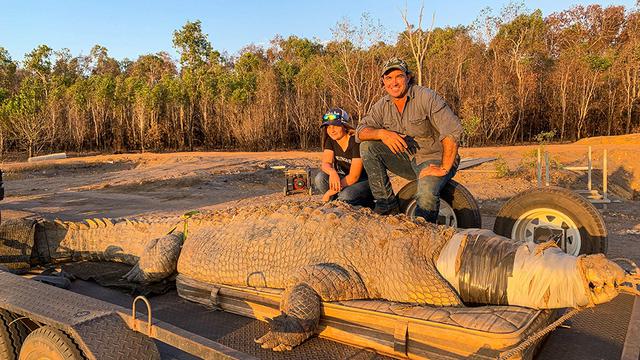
(520, 213)
(464, 205)
(12, 334)
(49, 343)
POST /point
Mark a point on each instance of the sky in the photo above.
(129, 28)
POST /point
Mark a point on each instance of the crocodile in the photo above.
(315, 252)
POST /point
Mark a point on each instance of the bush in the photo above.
(545, 137)
(502, 168)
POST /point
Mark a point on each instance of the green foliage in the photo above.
(530, 159)
(21, 113)
(470, 126)
(298, 49)
(502, 168)
(443, 38)
(39, 60)
(508, 77)
(7, 67)
(286, 73)
(4, 94)
(545, 137)
(193, 45)
(599, 63)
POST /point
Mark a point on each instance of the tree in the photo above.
(629, 61)
(353, 71)
(7, 74)
(521, 42)
(38, 61)
(101, 63)
(21, 117)
(192, 44)
(418, 39)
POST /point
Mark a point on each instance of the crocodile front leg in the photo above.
(158, 260)
(301, 303)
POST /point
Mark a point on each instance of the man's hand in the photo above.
(334, 181)
(432, 170)
(394, 141)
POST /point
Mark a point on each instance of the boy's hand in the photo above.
(327, 196)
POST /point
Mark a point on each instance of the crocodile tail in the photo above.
(98, 239)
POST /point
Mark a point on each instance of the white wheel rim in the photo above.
(446, 215)
(567, 233)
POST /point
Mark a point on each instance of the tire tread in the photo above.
(517, 205)
(12, 330)
(66, 345)
(461, 200)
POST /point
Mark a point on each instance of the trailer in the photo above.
(40, 320)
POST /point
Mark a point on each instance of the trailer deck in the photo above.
(234, 331)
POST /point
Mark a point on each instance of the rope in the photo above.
(508, 354)
(520, 348)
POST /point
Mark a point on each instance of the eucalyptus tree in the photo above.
(7, 74)
(301, 88)
(519, 46)
(629, 67)
(21, 117)
(38, 62)
(353, 70)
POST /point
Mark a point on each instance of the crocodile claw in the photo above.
(285, 334)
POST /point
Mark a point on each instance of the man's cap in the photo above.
(336, 116)
(395, 64)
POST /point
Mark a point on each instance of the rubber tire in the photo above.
(464, 205)
(12, 334)
(593, 233)
(51, 343)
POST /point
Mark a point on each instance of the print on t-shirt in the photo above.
(342, 158)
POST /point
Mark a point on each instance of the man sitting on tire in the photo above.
(409, 120)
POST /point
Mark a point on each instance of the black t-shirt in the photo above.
(342, 158)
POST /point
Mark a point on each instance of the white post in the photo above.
(539, 168)
(546, 168)
(589, 170)
(605, 175)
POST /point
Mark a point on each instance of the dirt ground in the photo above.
(129, 184)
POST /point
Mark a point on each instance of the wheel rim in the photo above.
(543, 224)
(446, 215)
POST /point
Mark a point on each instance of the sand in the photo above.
(132, 184)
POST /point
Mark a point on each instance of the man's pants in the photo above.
(354, 194)
(378, 158)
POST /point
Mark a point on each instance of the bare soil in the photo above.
(131, 184)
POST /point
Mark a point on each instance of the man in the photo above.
(409, 120)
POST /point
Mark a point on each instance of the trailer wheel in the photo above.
(458, 208)
(12, 334)
(553, 213)
(49, 343)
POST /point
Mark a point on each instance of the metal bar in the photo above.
(631, 349)
(603, 201)
(186, 341)
(539, 168)
(547, 176)
(589, 166)
(133, 312)
(592, 192)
